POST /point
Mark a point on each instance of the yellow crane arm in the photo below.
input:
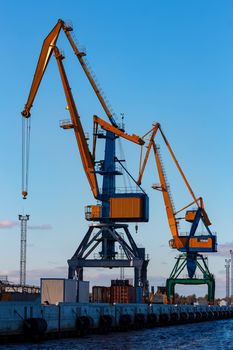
(87, 160)
(177, 241)
(152, 134)
(45, 54)
(108, 127)
(178, 167)
(49, 45)
(167, 201)
(47, 49)
(91, 79)
(142, 165)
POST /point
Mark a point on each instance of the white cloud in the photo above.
(40, 227)
(224, 249)
(8, 224)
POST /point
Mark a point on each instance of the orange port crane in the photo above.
(183, 243)
(88, 159)
(115, 207)
(192, 243)
(49, 47)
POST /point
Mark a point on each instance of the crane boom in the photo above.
(87, 160)
(97, 91)
(108, 127)
(185, 243)
(178, 167)
(48, 48)
(167, 200)
(108, 196)
(142, 165)
(45, 54)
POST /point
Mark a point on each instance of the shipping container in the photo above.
(122, 294)
(83, 292)
(100, 294)
(56, 290)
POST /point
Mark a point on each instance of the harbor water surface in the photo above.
(205, 336)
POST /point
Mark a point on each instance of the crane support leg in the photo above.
(207, 278)
(107, 236)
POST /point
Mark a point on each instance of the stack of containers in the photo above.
(100, 294)
(121, 292)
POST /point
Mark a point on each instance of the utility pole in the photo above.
(23, 246)
(227, 266)
(231, 253)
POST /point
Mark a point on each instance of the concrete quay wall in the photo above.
(26, 319)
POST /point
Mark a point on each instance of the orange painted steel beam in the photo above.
(47, 49)
(45, 54)
(87, 160)
(108, 127)
(167, 201)
(178, 167)
(143, 165)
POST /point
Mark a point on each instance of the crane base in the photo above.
(201, 265)
(107, 236)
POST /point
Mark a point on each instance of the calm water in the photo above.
(205, 336)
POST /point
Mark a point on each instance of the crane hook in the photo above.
(24, 194)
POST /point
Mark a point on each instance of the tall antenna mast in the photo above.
(227, 266)
(23, 245)
(231, 277)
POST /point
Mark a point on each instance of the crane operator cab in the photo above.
(196, 242)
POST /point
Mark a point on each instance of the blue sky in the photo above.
(166, 61)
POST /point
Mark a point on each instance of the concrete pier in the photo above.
(25, 320)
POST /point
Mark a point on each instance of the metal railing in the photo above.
(65, 122)
(123, 190)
